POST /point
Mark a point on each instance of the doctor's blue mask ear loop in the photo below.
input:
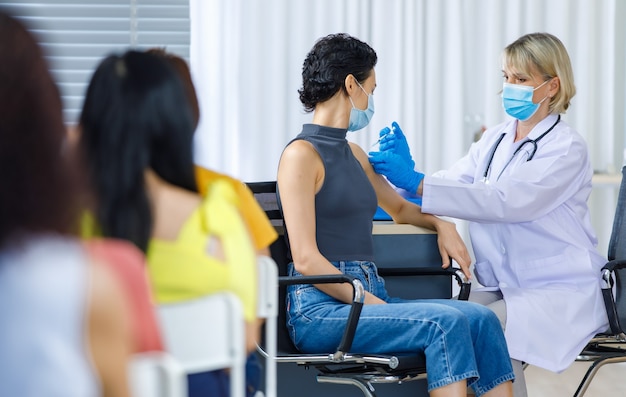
(525, 142)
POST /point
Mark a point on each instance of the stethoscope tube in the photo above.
(527, 140)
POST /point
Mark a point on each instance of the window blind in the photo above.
(76, 34)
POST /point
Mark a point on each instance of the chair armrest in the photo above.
(464, 284)
(607, 294)
(615, 264)
(355, 311)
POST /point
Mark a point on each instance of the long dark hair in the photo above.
(181, 66)
(40, 183)
(135, 117)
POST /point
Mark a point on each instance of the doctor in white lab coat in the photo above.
(523, 187)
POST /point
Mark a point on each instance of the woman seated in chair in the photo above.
(329, 194)
(136, 131)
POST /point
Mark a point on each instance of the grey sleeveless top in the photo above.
(43, 338)
(346, 203)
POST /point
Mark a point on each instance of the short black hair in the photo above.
(329, 62)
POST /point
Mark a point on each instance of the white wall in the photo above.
(439, 75)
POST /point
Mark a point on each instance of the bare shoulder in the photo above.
(362, 157)
(300, 168)
(181, 197)
(109, 330)
(299, 157)
(357, 150)
(106, 291)
(299, 151)
(172, 206)
(108, 313)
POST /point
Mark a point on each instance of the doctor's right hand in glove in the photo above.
(394, 160)
(393, 140)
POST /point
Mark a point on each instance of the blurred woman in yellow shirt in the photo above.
(137, 138)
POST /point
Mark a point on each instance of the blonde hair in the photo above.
(548, 55)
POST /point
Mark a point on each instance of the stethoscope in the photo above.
(519, 148)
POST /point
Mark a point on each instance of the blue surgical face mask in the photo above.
(517, 100)
(361, 118)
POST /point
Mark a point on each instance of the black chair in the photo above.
(605, 348)
(341, 366)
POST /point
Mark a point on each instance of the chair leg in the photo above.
(591, 372)
(365, 386)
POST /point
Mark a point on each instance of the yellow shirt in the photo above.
(191, 266)
(261, 229)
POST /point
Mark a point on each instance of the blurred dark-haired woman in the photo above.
(65, 330)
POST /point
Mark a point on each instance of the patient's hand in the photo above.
(451, 245)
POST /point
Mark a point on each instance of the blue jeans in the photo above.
(460, 340)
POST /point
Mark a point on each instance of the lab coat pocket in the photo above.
(485, 275)
(551, 273)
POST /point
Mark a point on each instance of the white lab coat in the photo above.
(532, 237)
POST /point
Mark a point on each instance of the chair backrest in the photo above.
(617, 242)
(267, 196)
(156, 374)
(207, 334)
(617, 250)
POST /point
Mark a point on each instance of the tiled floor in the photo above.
(610, 381)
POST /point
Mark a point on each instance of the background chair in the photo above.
(605, 348)
(156, 374)
(207, 334)
(341, 366)
(268, 310)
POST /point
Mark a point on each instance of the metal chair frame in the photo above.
(343, 366)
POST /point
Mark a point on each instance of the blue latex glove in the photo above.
(397, 171)
(396, 143)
